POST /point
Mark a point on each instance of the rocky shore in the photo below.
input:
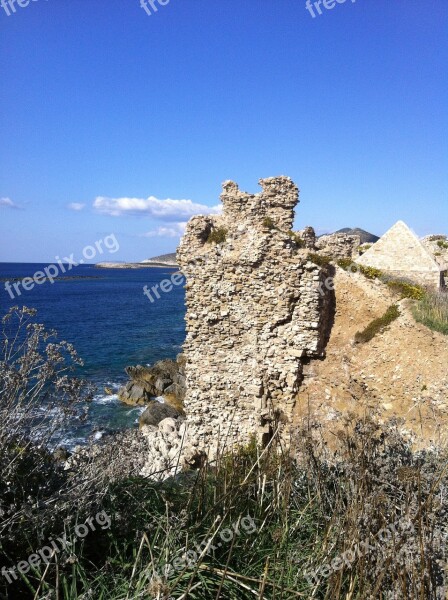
(165, 377)
(160, 447)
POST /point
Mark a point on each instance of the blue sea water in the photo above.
(112, 325)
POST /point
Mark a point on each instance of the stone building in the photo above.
(256, 311)
(400, 253)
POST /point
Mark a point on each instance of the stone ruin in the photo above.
(334, 245)
(257, 311)
(339, 245)
(438, 247)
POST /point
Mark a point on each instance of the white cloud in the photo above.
(76, 206)
(8, 203)
(165, 210)
(173, 230)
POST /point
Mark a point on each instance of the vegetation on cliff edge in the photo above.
(367, 519)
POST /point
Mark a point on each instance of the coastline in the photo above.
(107, 265)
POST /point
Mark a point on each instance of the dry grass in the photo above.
(432, 311)
(320, 522)
(366, 521)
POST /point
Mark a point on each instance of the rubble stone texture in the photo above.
(399, 252)
(438, 247)
(339, 245)
(308, 236)
(168, 449)
(257, 310)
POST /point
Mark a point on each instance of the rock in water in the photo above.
(135, 393)
(157, 412)
(165, 377)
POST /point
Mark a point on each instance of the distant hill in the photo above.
(165, 259)
(366, 237)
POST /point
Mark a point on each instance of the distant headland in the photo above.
(164, 260)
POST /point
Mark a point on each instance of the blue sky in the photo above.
(111, 112)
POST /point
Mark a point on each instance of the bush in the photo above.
(432, 311)
(303, 514)
(320, 259)
(378, 325)
(345, 263)
(269, 223)
(296, 238)
(442, 244)
(370, 272)
(38, 400)
(217, 235)
(406, 289)
(363, 248)
(349, 265)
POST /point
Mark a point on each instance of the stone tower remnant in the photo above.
(257, 310)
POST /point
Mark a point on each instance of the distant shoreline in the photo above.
(110, 265)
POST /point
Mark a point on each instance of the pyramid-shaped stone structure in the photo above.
(399, 252)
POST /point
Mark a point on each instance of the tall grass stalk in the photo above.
(432, 311)
(308, 511)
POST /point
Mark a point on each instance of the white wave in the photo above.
(139, 410)
(109, 399)
(113, 385)
(70, 442)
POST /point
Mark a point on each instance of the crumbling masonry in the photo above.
(256, 311)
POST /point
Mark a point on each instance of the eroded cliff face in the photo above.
(256, 311)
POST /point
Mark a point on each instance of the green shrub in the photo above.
(40, 397)
(349, 265)
(269, 223)
(320, 259)
(363, 248)
(432, 311)
(406, 289)
(370, 272)
(217, 235)
(345, 263)
(378, 325)
(442, 244)
(296, 238)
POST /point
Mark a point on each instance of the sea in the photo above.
(112, 325)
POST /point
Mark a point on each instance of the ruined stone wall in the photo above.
(438, 246)
(339, 245)
(308, 236)
(254, 314)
